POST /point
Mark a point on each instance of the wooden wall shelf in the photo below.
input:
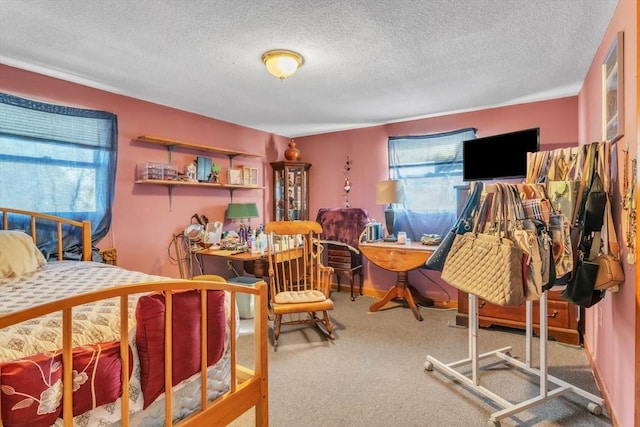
(174, 144)
(198, 184)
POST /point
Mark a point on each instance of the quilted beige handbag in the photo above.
(487, 265)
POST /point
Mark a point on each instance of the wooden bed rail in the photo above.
(248, 387)
(34, 216)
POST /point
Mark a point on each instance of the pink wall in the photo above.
(610, 325)
(144, 221)
(367, 148)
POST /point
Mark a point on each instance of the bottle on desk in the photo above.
(249, 238)
(242, 234)
(253, 242)
(259, 243)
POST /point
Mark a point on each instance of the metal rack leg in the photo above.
(595, 405)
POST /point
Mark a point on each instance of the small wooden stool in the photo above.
(345, 263)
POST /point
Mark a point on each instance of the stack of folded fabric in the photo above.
(430, 239)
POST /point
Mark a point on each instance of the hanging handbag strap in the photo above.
(473, 203)
(571, 163)
(489, 211)
(588, 170)
(610, 230)
(480, 218)
(612, 239)
(532, 191)
(564, 164)
(529, 190)
(532, 173)
(515, 200)
(537, 166)
(609, 236)
(511, 210)
(552, 172)
(578, 156)
(470, 211)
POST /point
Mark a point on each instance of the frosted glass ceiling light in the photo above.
(282, 63)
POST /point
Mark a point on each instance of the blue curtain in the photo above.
(430, 167)
(58, 160)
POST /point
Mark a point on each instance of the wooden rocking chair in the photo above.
(300, 284)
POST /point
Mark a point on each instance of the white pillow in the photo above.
(18, 254)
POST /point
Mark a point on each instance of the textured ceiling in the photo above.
(366, 62)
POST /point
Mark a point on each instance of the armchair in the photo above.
(341, 229)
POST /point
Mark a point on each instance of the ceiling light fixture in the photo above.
(282, 63)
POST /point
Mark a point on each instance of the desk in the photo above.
(253, 262)
(400, 258)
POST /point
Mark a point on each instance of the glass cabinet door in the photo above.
(290, 190)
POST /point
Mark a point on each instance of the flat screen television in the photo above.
(501, 156)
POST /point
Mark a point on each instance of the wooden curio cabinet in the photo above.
(290, 190)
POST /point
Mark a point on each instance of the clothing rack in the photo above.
(473, 381)
(536, 167)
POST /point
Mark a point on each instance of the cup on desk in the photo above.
(402, 237)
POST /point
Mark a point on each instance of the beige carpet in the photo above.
(373, 374)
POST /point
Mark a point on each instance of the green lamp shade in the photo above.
(242, 210)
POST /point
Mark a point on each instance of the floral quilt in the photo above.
(30, 356)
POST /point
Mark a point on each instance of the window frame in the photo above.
(407, 154)
(81, 147)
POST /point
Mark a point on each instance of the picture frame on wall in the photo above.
(235, 177)
(613, 91)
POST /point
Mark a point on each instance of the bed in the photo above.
(90, 344)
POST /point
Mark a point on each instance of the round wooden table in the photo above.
(400, 258)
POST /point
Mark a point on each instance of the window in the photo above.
(58, 160)
(430, 167)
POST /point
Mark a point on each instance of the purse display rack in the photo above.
(472, 380)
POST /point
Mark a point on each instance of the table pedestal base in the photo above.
(403, 290)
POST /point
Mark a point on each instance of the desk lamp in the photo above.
(238, 213)
(387, 193)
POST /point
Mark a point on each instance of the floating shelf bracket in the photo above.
(231, 156)
(170, 190)
(170, 151)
